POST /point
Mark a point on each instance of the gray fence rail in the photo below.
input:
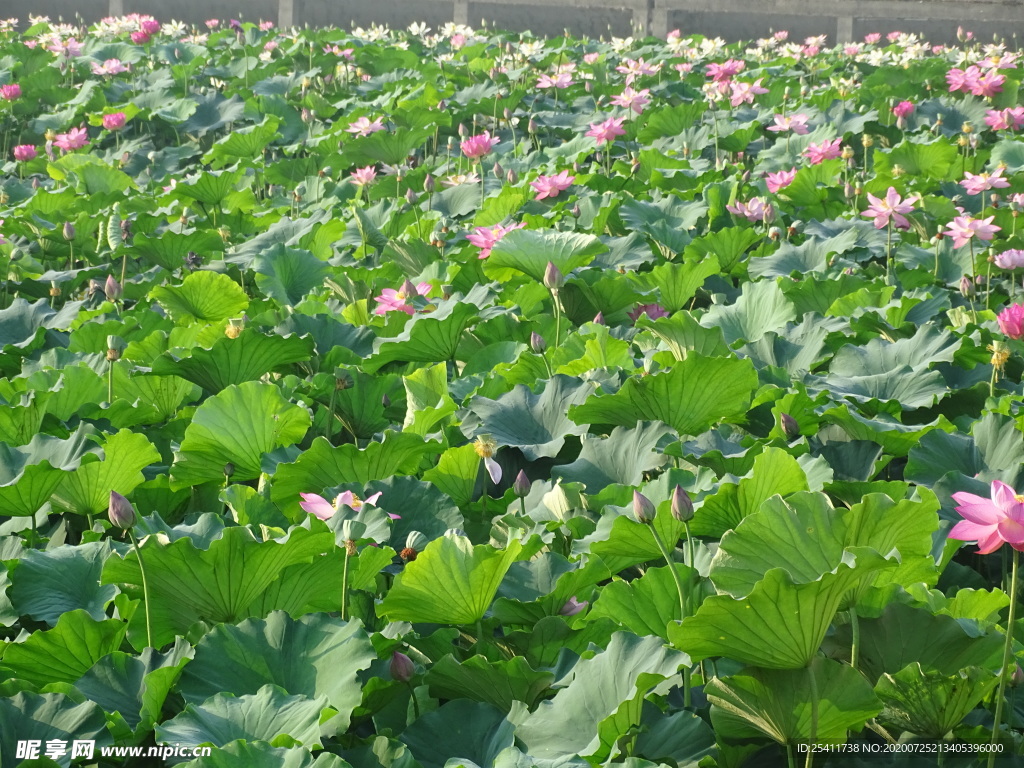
(841, 20)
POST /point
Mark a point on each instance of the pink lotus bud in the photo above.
(112, 288)
(682, 505)
(10, 92)
(402, 668)
(115, 121)
(120, 511)
(521, 485)
(25, 152)
(553, 277)
(643, 508)
(789, 426)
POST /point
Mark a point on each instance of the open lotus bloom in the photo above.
(993, 521)
(325, 510)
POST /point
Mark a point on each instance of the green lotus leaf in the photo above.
(682, 737)
(313, 656)
(623, 457)
(691, 397)
(259, 754)
(202, 296)
(237, 426)
(86, 490)
(677, 283)
(269, 715)
(613, 682)
(63, 654)
(135, 687)
(761, 307)
(234, 361)
(217, 584)
(213, 112)
(535, 424)
(933, 160)
(169, 249)
(428, 338)
(288, 274)
(473, 731)
(41, 718)
(244, 144)
(427, 398)
(456, 473)
(324, 466)
(930, 705)
(49, 584)
(649, 604)
(807, 536)
(449, 582)
(528, 251)
(499, 683)
(683, 335)
(358, 409)
(774, 703)
(795, 616)
(29, 474)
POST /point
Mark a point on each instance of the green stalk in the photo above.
(344, 584)
(145, 590)
(855, 646)
(814, 714)
(682, 603)
(1007, 654)
(110, 382)
(558, 316)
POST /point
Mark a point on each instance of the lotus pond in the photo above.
(409, 398)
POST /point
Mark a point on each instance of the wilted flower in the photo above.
(990, 522)
(1011, 321)
(120, 511)
(485, 448)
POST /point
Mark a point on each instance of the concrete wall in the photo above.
(841, 20)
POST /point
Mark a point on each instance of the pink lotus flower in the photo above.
(891, 208)
(345, 53)
(590, 58)
(477, 146)
(635, 68)
(1011, 321)
(573, 606)
(780, 179)
(725, 71)
(1009, 119)
(114, 121)
(550, 186)
(795, 123)
(976, 183)
(963, 228)
(828, 150)
(265, 25)
(485, 238)
(364, 127)
(872, 38)
(989, 84)
(745, 92)
(561, 80)
(653, 311)
(963, 79)
(139, 37)
(68, 48)
(391, 300)
(363, 176)
(903, 110)
(607, 131)
(10, 92)
(754, 209)
(109, 67)
(212, 23)
(325, 510)
(150, 26)
(456, 179)
(76, 138)
(1011, 259)
(25, 152)
(990, 522)
(635, 100)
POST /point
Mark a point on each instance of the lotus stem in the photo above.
(855, 645)
(1007, 655)
(350, 546)
(814, 714)
(687, 699)
(145, 590)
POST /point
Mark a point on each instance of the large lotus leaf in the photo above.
(29, 474)
(774, 703)
(63, 654)
(681, 738)
(995, 444)
(218, 584)
(798, 348)
(324, 466)
(391, 147)
(904, 635)
(932, 160)
(427, 398)
(70, 388)
(649, 604)
(894, 437)
(259, 754)
(244, 144)
(449, 582)
(214, 111)
(499, 683)
(51, 583)
(21, 415)
(601, 687)
(8, 615)
(314, 655)
(86, 490)
(683, 335)
(270, 715)
(623, 457)
(760, 307)
(22, 324)
(135, 687)
(474, 734)
(929, 704)
(202, 296)
(330, 333)
(528, 251)
(774, 472)
(795, 616)
(237, 426)
(909, 387)
(695, 394)
(535, 424)
(42, 718)
(807, 536)
(287, 274)
(929, 345)
(359, 408)
(456, 473)
(234, 361)
(170, 249)
(420, 505)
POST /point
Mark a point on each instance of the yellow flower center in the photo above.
(356, 502)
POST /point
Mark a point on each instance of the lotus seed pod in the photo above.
(120, 511)
(682, 505)
(417, 541)
(643, 508)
